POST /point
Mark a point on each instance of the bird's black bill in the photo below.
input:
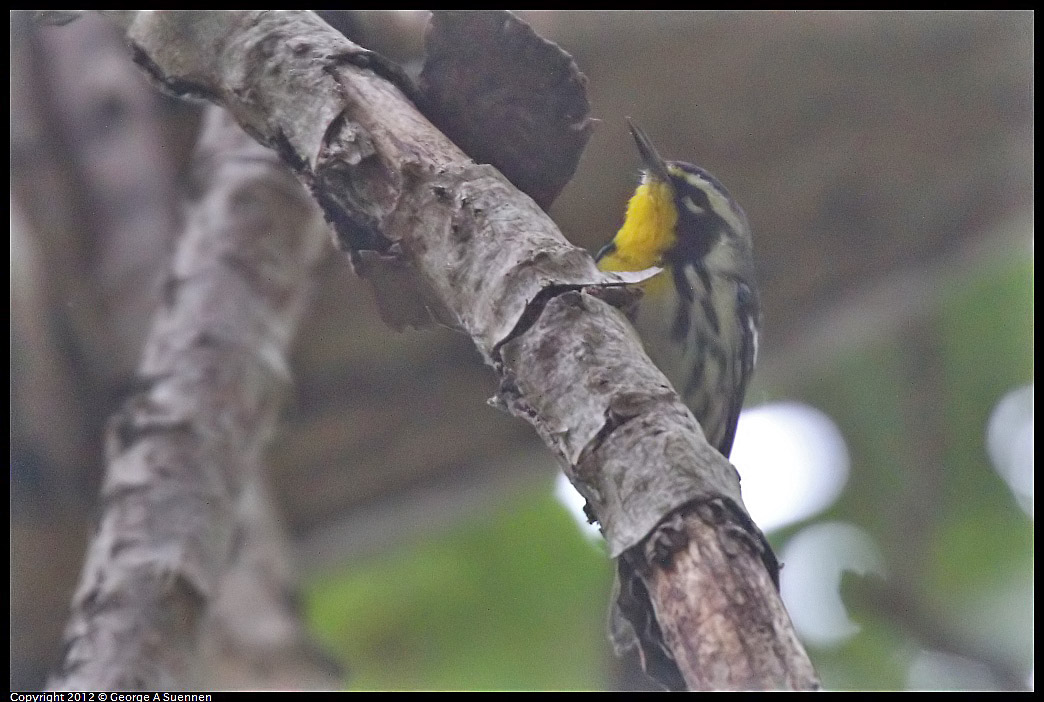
(652, 160)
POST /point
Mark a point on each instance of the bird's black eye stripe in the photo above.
(697, 233)
(697, 195)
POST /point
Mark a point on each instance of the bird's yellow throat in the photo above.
(647, 231)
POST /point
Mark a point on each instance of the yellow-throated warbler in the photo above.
(699, 318)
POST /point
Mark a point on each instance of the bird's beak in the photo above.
(656, 165)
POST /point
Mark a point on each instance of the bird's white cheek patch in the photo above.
(692, 206)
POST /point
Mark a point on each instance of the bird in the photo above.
(698, 318)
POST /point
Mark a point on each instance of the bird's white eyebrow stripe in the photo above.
(694, 179)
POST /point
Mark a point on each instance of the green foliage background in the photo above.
(512, 600)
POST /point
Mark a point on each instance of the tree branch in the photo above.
(183, 447)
